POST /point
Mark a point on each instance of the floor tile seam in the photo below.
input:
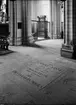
(55, 80)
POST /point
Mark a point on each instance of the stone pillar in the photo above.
(67, 47)
(12, 21)
(26, 22)
(74, 28)
(53, 19)
(74, 22)
(57, 19)
(29, 22)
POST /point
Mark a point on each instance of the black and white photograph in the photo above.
(37, 52)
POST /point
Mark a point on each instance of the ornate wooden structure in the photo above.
(4, 33)
(42, 27)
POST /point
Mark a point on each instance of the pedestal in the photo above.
(67, 51)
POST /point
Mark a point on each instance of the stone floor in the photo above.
(4, 52)
(37, 75)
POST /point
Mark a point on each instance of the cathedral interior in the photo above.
(37, 52)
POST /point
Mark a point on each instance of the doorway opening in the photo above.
(54, 21)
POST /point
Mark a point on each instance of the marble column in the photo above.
(67, 46)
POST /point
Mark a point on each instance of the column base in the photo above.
(30, 39)
(67, 51)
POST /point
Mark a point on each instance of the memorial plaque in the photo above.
(40, 74)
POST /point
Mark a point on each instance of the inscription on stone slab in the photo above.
(38, 73)
(27, 79)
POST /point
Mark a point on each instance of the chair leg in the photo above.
(6, 47)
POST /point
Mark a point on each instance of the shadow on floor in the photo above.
(5, 52)
(34, 45)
